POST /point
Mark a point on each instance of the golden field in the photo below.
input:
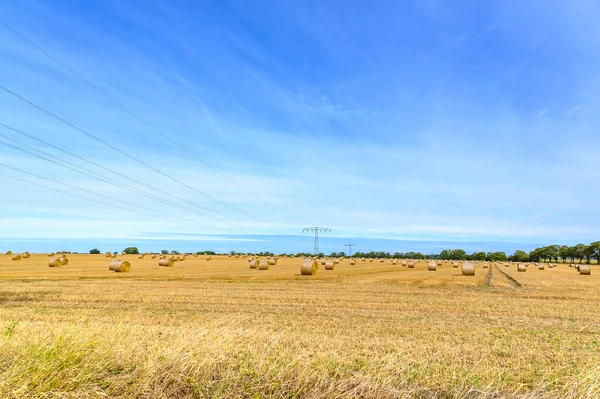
(219, 329)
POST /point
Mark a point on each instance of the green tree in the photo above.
(596, 250)
(131, 251)
(589, 252)
(578, 252)
(552, 252)
(564, 252)
(519, 256)
(94, 251)
(458, 254)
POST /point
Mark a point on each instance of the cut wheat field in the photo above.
(219, 329)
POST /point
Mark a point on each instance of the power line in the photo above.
(95, 175)
(316, 230)
(80, 196)
(96, 138)
(93, 193)
(350, 247)
(136, 116)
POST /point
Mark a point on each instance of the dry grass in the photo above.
(218, 329)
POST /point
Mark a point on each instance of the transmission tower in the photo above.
(350, 247)
(316, 230)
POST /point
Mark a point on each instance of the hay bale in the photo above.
(541, 266)
(264, 265)
(411, 264)
(432, 266)
(195, 255)
(329, 265)
(208, 257)
(272, 261)
(254, 263)
(521, 267)
(8, 253)
(352, 262)
(119, 266)
(468, 269)
(54, 262)
(486, 265)
(26, 255)
(585, 270)
(506, 264)
(371, 260)
(51, 254)
(153, 256)
(17, 257)
(64, 261)
(403, 263)
(336, 261)
(309, 267)
(439, 263)
(550, 265)
(181, 258)
(113, 256)
(108, 254)
(166, 262)
(455, 265)
(394, 261)
(323, 262)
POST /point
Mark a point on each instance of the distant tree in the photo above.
(588, 253)
(445, 254)
(174, 252)
(480, 256)
(596, 251)
(458, 254)
(131, 251)
(552, 252)
(564, 252)
(94, 251)
(497, 256)
(578, 252)
(164, 252)
(519, 256)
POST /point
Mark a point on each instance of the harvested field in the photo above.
(220, 329)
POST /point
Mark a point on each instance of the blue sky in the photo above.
(423, 120)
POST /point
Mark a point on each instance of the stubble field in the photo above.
(218, 329)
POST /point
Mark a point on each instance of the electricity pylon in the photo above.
(350, 248)
(316, 230)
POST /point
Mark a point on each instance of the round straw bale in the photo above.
(323, 262)
(54, 262)
(352, 262)
(411, 264)
(521, 267)
(432, 266)
(153, 256)
(63, 261)
(208, 257)
(8, 252)
(272, 261)
(329, 265)
(108, 254)
(113, 256)
(51, 254)
(253, 263)
(181, 258)
(455, 265)
(506, 264)
(166, 262)
(370, 260)
(486, 265)
(541, 266)
(403, 263)
(336, 261)
(195, 255)
(26, 255)
(577, 267)
(17, 257)
(250, 259)
(394, 261)
(585, 270)
(309, 267)
(439, 263)
(119, 266)
(468, 269)
(264, 265)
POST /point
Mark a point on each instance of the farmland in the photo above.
(219, 329)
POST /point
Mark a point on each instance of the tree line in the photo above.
(551, 253)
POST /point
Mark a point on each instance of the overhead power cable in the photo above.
(165, 217)
(78, 169)
(105, 143)
(139, 118)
